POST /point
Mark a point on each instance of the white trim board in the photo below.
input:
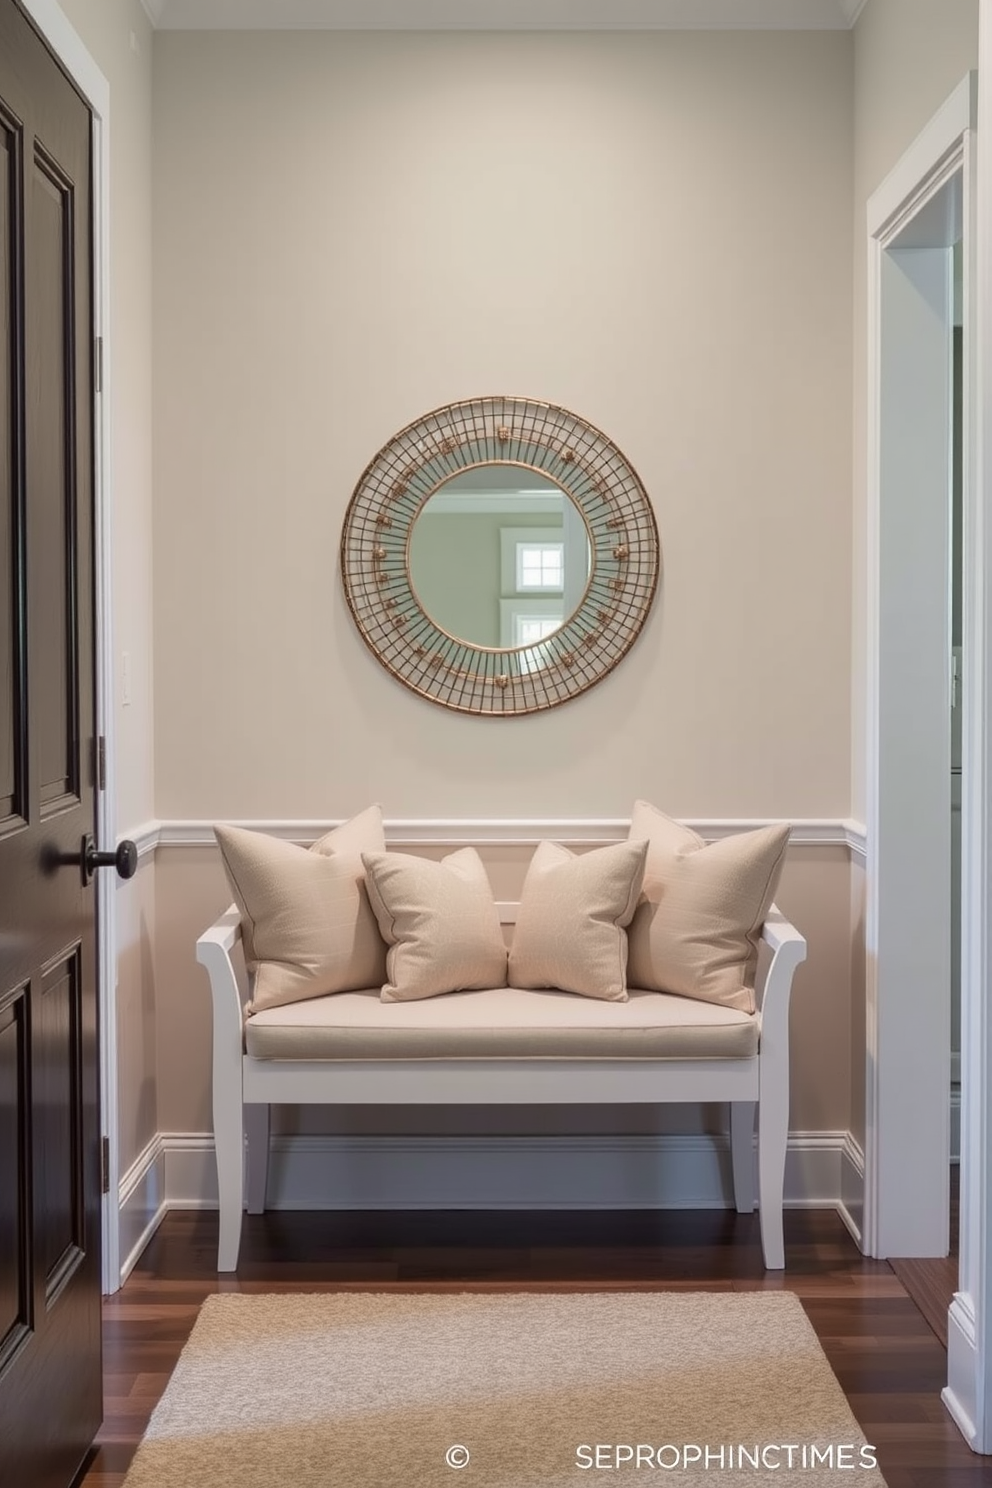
(922, 169)
(508, 15)
(141, 1204)
(961, 1393)
(851, 1205)
(533, 1172)
(506, 831)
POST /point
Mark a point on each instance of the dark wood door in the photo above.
(50, 1352)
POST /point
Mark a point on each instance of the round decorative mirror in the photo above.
(499, 556)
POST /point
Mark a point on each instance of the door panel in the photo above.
(15, 1164)
(50, 1353)
(49, 332)
(13, 752)
(61, 1240)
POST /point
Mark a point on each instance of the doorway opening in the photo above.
(909, 912)
(933, 1282)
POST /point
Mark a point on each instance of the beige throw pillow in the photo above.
(363, 833)
(306, 922)
(570, 926)
(697, 927)
(439, 921)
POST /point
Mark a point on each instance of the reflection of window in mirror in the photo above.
(540, 565)
(529, 631)
(526, 621)
(532, 559)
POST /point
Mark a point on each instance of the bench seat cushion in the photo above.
(502, 1023)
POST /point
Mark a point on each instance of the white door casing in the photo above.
(935, 193)
(968, 1394)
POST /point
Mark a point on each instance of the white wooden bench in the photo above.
(245, 1084)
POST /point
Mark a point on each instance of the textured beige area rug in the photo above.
(360, 1390)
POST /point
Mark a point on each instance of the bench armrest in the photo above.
(788, 950)
(225, 932)
(213, 951)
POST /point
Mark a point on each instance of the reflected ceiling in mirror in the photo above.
(576, 571)
(499, 557)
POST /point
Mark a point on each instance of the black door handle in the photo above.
(124, 858)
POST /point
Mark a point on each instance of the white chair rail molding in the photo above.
(627, 973)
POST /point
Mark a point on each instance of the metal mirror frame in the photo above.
(624, 556)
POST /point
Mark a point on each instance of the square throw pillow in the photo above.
(439, 921)
(696, 929)
(306, 921)
(570, 925)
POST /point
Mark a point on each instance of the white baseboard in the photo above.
(823, 1170)
(962, 1368)
(588, 1172)
(851, 1205)
(143, 1203)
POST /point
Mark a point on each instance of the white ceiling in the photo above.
(503, 15)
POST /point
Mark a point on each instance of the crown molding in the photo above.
(509, 15)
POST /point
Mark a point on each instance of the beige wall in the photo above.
(118, 36)
(909, 55)
(138, 1020)
(322, 277)
(674, 263)
(815, 893)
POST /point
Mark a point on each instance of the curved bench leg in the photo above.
(773, 1135)
(229, 1144)
(257, 1129)
(742, 1154)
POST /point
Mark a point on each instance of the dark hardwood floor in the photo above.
(887, 1359)
(932, 1283)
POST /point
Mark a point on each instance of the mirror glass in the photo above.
(499, 556)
